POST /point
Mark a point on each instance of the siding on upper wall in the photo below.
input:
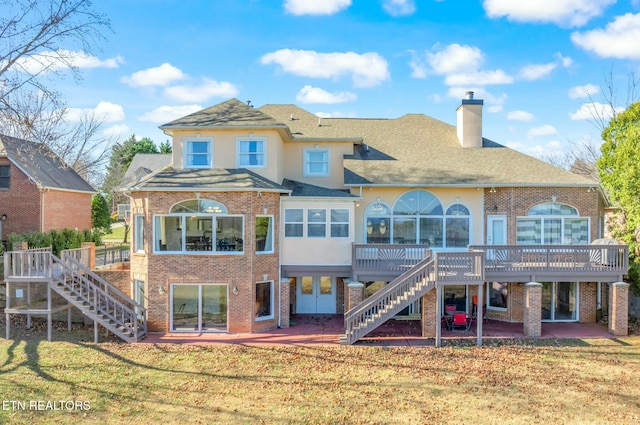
(66, 210)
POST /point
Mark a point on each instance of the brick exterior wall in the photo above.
(355, 295)
(21, 203)
(588, 302)
(516, 201)
(66, 210)
(160, 271)
(429, 314)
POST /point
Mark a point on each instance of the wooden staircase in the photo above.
(97, 299)
(389, 301)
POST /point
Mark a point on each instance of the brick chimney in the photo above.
(469, 123)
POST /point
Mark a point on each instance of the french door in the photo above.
(198, 308)
(496, 233)
(316, 294)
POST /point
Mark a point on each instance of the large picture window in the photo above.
(552, 224)
(418, 217)
(198, 226)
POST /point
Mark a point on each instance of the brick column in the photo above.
(285, 311)
(429, 314)
(619, 308)
(92, 253)
(355, 295)
(532, 309)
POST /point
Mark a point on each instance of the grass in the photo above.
(510, 382)
(116, 235)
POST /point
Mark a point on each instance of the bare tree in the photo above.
(38, 38)
(81, 144)
(581, 159)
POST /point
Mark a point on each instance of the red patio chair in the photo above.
(460, 322)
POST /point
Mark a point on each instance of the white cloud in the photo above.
(202, 92)
(164, 114)
(366, 69)
(117, 131)
(315, 7)
(580, 92)
(520, 116)
(104, 112)
(542, 131)
(455, 58)
(572, 13)
(618, 40)
(535, 72)
(309, 94)
(62, 59)
(594, 110)
(158, 76)
(460, 64)
(399, 7)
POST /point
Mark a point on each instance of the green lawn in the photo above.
(116, 235)
(551, 382)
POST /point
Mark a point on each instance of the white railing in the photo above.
(32, 263)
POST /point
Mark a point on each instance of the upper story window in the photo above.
(5, 171)
(251, 152)
(316, 162)
(552, 224)
(198, 153)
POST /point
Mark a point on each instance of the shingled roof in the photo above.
(228, 179)
(42, 165)
(232, 113)
(417, 150)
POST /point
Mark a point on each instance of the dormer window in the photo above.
(316, 162)
(198, 153)
(251, 152)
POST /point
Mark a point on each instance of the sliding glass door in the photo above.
(560, 301)
(198, 308)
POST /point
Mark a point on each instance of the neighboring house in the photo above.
(38, 191)
(262, 213)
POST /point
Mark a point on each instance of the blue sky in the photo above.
(538, 65)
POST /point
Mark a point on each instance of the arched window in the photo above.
(377, 219)
(457, 224)
(205, 206)
(552, 224)
(418, 217)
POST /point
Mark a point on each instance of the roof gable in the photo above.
(231, 113)
(42, 165)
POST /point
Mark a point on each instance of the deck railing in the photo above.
(112, 254)
(32, 263)
(460, 266)
(556, 258)
(387, 258)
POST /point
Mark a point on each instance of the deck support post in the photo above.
(95, 331)
(479, 314)
(49, 321)
(533, 310)
(619, 308)
(438, 315)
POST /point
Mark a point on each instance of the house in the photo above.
(38, 191)
(266, 212)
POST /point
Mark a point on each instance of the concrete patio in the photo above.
(326, 330)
